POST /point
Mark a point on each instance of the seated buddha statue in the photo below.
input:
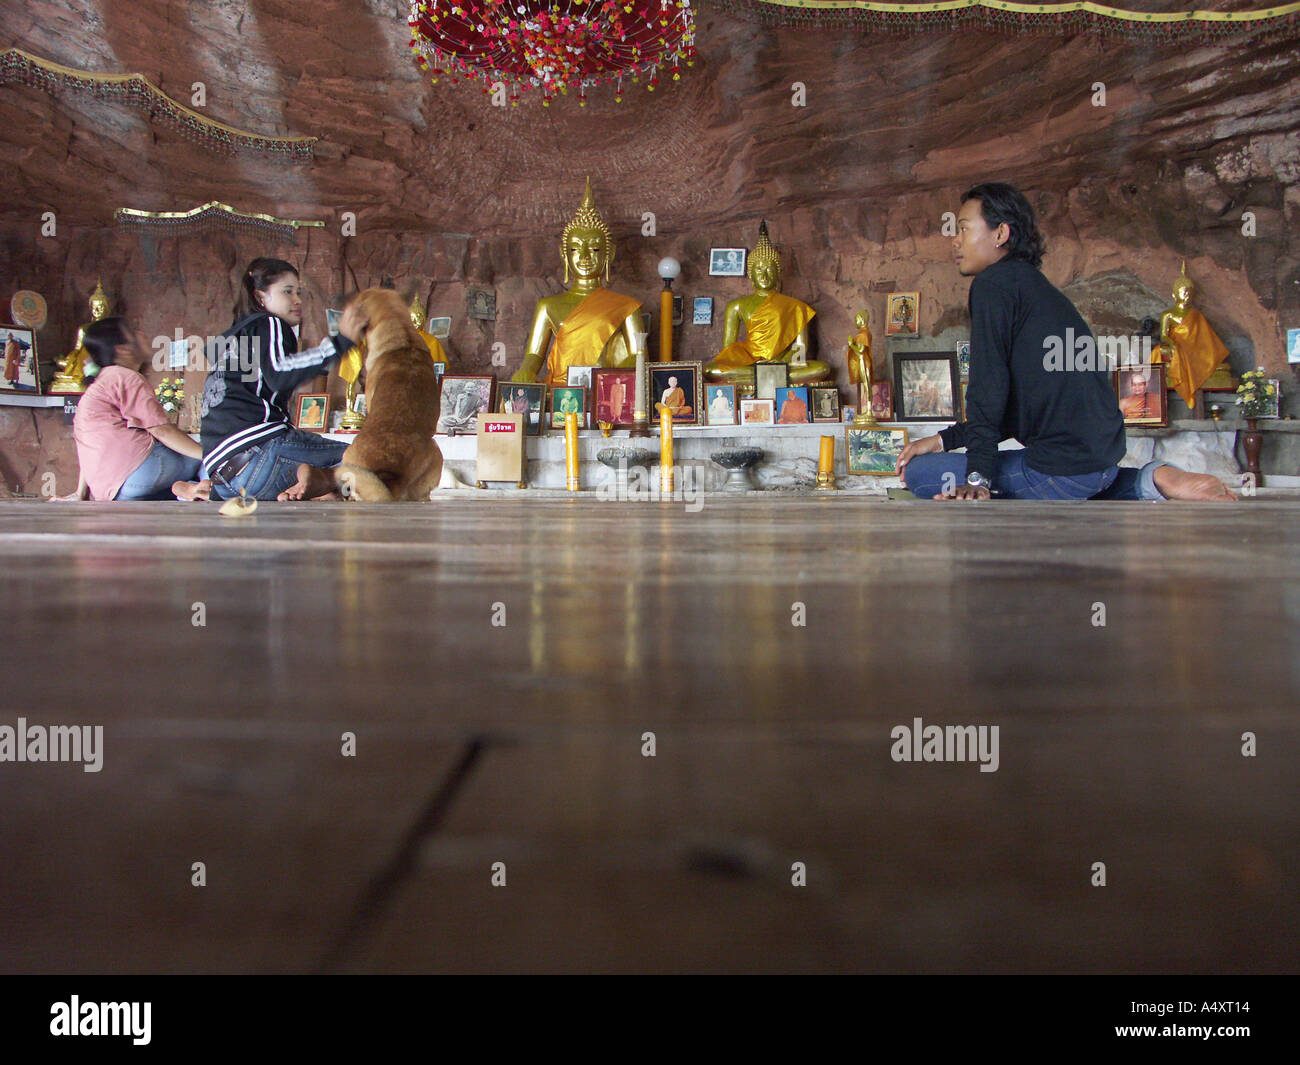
(1188, 344)
(673, 400)
(351, 364)
(586, 325)
(72, 367)
(776, 326)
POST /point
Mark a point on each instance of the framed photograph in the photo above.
(902, 314)
(526, 399)
(439, 368)
(927, 386)
(20, 372)
(1293, 346)
(580, 377)
(768, 377)
(792, 406)
(332, 319)
(882, 400)
(678, 303)
(721, 404)
(313, 412)
(568, 399)
(727, 262)
(849, 413)
(702, 314)
(825, 403)
(440, 328)
(464, 398)
(481, 304)
(757, 412)
(963, 359)
(613, 395)
(873, 452)
(1142, 396)
(677, 386)
(1275, 401)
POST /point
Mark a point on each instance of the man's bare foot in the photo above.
(313, 481)
(192, 491)
(1179, 484)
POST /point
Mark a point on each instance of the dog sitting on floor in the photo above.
(393, 456)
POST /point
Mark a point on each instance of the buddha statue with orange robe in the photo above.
(586, 325)
(776, 326)
(1188, 345)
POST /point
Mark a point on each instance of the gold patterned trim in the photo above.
(208, 214)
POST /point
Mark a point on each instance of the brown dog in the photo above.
(394, 456)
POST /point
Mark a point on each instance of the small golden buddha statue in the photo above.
(1193, 351)
(586, 325)
(861, 369)
(776, 325)
(72, 367)
(418, 319)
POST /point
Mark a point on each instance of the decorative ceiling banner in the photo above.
(211, 215)
(553, 45)
(1003, 16)
(139, 91)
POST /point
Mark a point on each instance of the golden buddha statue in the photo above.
(776, 325)
(861, 368)
(1189, 345)
(72, 367)
(351, 364)
(586, 324)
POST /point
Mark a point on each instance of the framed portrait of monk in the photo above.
(768, 377)
(613, 396)
(526, 399)
(1142, 395)
(20, 370)
(675, 386)
(903, 315)
(792, 406)
(927, 387)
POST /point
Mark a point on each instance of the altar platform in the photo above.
(500, 659)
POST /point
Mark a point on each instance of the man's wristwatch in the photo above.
(978, 480)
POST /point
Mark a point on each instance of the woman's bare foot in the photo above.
(1179, 484)
(192, 491)
(312, 481)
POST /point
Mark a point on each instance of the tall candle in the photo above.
(826, 460)
(666, 325)
(571, 450)
(639, 407)
(665, 452)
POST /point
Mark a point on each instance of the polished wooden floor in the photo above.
(479, 742)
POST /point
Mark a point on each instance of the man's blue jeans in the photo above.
(274, 467)
(154, 477)
(925, 478)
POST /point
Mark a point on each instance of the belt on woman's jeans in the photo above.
(234, 466)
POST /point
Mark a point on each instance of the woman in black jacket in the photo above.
(249, 441)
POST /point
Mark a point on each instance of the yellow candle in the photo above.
(665, 452)
(571, 450)
(826, 460)
(666, 325)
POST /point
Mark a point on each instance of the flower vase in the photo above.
(1252, 438)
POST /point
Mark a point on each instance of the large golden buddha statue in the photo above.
(72, 367)
(1188, 344)
(587, 325)
(776, 325)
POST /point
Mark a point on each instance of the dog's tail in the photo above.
(360, 485)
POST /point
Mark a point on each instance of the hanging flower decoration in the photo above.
(518, 45)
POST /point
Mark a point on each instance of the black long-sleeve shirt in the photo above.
(251, 380)
(1067, 420)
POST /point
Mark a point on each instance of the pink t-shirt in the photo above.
(110, 428)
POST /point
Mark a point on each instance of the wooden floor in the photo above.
(521, 742)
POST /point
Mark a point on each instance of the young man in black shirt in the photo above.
(1066, 417)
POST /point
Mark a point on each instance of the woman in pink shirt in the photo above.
(127, 447)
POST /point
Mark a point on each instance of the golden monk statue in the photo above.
(776, 325)
(1189, 345)
(861, 368)
(351, 364)
(72, 367)
(586, 324)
